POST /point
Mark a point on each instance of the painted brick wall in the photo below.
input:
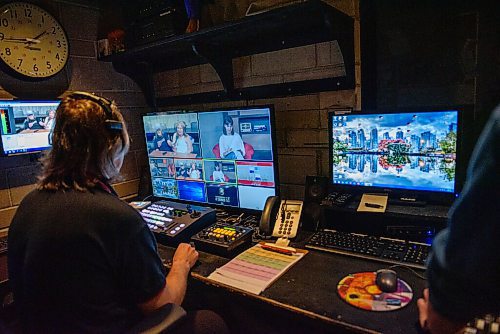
(85, 72)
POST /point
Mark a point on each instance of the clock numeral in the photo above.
(20, 62)
(49, 66)
(13, 14)
(53, 30)
(2, 36)
(27, 12)
(43, 19)
(35, 68)
(4, 22)
(58, 42)
(57, 56)
(7, 51)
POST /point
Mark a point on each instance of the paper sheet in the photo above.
(255, 269)
(373, 203)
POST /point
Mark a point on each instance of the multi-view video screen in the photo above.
(26, 126)
(415, 151)
(219, 157)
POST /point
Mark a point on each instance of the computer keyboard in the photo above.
(394, 251)
(484, 325)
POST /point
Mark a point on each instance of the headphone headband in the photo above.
(105, 104)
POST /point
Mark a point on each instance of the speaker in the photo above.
(316, 190)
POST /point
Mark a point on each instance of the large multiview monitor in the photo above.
(411, 154)
(223, 158)
(26, 126)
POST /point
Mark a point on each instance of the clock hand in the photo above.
(22, 40)
(32, 48)
(40, 35)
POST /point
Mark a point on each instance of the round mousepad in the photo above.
(360, 290)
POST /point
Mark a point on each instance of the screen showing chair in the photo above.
(26, 126)
(218, 157)
(407, 150)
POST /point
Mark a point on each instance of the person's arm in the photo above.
(175, 286)
(189, 143)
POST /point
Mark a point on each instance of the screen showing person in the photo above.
(189, 169)
(405, 150)
(220, 171)
(172, 134)
(256, 173)
(240, 134)
(163, 187)
(162, 167)
(222, 194)
(26, 126)
(192, 191)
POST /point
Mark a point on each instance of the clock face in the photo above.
(32, 42)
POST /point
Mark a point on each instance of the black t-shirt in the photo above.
(81, 262)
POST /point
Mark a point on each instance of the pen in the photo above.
(278, 250)
(373, 205)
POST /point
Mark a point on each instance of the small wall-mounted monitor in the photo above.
(407, 154)
(26, 126)
(224, 157)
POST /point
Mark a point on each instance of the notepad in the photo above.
(255, 269)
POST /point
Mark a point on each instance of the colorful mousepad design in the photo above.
(360, 290)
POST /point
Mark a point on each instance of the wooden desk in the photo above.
(168, 154)
(309, 290)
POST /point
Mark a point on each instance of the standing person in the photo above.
(181, 142)
(464, 267)
(85, 261)
(230, 143)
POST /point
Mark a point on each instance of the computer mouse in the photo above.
(386, 280)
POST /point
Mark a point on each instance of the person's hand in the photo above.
(185, 256)
(433, 322)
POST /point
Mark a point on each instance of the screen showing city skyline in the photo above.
(414, 151)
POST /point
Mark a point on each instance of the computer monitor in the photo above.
(410, 154)
(26, 125)
(222, 157)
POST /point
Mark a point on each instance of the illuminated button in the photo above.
(182, 225)
(173, 232)
(177, 228)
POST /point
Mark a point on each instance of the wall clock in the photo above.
(32, 42)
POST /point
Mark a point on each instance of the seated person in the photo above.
(69, 270)
(230, 143)
(218, 175)
(160, 141)
(182, 172)
(181, 142)
(49, 121)
(31, 123)
(463, 272)
(194, 172)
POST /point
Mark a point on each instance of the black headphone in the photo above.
(111, 124)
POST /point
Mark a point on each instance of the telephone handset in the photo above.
(281, 217)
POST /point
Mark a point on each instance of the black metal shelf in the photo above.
(303, 23)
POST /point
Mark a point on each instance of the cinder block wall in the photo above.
(84, 72)
(301, 122)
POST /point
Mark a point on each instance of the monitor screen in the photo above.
(223, 158)
(26, 126)
(413, 151)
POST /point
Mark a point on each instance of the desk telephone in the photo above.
(280, 217)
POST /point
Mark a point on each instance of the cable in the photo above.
(410, 269)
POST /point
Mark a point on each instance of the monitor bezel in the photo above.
(401, 194)
(36, 150)
(274, 148)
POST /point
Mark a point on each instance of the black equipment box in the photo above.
(223, 239)
(173, 223)
(152, 20)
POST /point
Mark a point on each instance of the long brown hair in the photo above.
(83, 148)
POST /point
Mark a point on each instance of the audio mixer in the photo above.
(173, 222)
